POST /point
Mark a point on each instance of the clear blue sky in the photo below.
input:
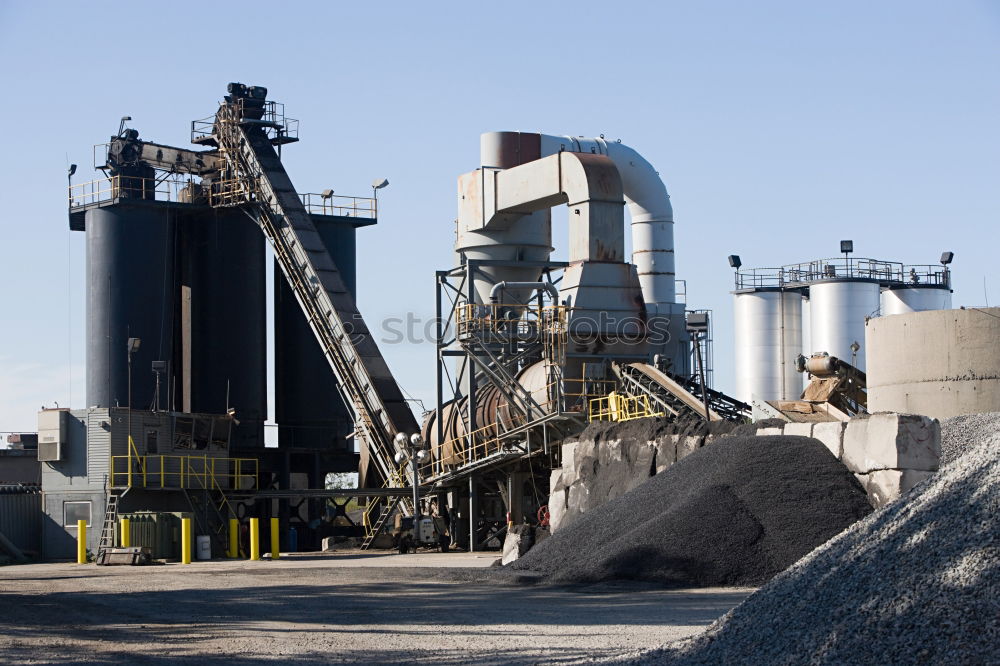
(779, 128)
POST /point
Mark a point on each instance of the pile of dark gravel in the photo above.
(648, 429)
(959, 431)
(917, 582)
(733, 513)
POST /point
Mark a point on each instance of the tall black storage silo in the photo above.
(308, 408)
(224, 266)
(130, 293)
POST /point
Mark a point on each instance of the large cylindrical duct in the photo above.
(652, 224)
(227, 278)
(768, 331)
(838, 310)
(131, 292)
(308, 407)
(902, 300)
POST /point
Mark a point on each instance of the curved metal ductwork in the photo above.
(646, 197)
(650, 211)
(547, 287)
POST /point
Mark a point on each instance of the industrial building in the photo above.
(528, 350)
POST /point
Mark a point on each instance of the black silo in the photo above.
(308, 408)
(224, 267)
(130, 293)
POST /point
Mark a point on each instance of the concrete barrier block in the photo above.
(887, 485)
(569, 456)
(586, 469)
(856, 446)
(584, 449)
(557, 509)
(831, 433)
(639, 470)
(640, 460)
(688, 445)
(556, 480)
(798, 430)
(761, 432)
(892, 441)
(666, 453)
(903, 441)
(578, 498)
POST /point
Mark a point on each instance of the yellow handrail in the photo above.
(617, 407)
(200, 472)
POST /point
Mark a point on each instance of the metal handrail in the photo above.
(343, 205)
(617, 407)
(887, 273)
(188, 472)
(115, 188)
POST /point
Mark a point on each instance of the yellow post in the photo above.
(185, 541)
(124, 537)
(81, 542)
(254, 539)
(275, 549)
(234, 538)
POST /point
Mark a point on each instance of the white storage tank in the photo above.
(903, 300)
(838, 310)
(768, 331)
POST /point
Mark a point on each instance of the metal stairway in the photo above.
(254, 175)
(107, 540)
(383, 518)
(208, 517)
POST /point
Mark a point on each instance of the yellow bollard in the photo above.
(185, 541)
(234, 538)
(254, 539)
(275, 549)
(81, 542)
(124, 536)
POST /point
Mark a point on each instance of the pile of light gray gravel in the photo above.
(959, 431)
(917, 582)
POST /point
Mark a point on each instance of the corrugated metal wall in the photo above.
(21, 518)
(98, 444)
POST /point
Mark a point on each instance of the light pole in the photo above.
(69, 182)
(377, 185)
(412, 449)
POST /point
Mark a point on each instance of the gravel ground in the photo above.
(917, 582)
(958, 431)
(337, 608)
(733, 513)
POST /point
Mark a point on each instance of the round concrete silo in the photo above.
(938, 363)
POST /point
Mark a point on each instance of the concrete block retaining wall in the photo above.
(888, 453)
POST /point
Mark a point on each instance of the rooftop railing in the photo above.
(886, 273)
